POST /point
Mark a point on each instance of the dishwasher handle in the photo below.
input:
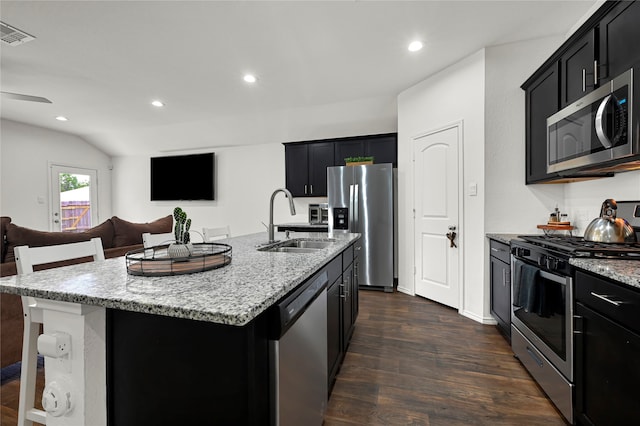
(285, 313)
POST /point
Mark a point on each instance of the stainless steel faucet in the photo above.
(291, 207)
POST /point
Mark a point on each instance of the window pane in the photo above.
(75, 202)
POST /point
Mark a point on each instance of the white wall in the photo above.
(25, 154)
(510, 205)
(245, 179)
(456, 93)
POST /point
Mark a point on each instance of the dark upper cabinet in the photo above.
(577, 70)
(541, 101)
(619, 35)
(383, 148)
(306, 162)
(306, 168)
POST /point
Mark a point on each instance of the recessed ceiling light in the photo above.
(157, 103)
(414, 46)
(250, 78)
(61, 118)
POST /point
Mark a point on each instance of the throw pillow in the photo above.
(129, 233)
(21, 236)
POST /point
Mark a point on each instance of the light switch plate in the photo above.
(473, 189)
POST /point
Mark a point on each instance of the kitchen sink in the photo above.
(297, 246)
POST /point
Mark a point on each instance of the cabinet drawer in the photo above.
(613, 300)
(347, 257)
(500, 250)
(334, 269)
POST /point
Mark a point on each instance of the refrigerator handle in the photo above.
(351, 191)
(356, 209)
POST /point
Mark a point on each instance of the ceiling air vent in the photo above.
(13, 36)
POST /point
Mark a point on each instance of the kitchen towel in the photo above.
(525, 287)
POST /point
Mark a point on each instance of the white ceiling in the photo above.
(324, 68)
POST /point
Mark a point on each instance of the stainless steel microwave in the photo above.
(595, 130)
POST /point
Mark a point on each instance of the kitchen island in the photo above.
(176, 349)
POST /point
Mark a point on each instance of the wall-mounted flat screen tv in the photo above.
(183, 177)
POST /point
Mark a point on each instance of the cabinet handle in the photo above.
(595, 72)
(305, 188)
(311, 192)
(496, 249)
(584, 79)
(606, 299)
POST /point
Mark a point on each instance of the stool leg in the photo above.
(29, 368)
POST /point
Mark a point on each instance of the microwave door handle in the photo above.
(602, 137)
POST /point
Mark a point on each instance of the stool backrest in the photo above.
(27, 257)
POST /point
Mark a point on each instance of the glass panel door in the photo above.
(73, 198)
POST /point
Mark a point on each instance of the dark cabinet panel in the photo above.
(619, 35)
(347, 311)
(541, 102)
(320, 157)
(306, 168)
(348, 148)
(607, 351)
(577, 70)
(500, 278)
(334, 330)
(297, 169)
(384, 148)
(607, 371)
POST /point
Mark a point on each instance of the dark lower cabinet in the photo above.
(342, 310)
(607, 358)
(500, 277)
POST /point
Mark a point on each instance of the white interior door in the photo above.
(436, 215)
(74, 198)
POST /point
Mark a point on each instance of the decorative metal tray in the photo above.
(155, 261)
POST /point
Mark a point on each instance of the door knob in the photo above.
(451, 236)
(452, 228)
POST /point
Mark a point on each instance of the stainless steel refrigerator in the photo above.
(361, 199)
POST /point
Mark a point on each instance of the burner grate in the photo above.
(578, 247)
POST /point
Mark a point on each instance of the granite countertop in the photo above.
(504, 238)
(624, 271)
(234, 294)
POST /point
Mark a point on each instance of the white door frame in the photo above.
(461, 228)
(54, 198)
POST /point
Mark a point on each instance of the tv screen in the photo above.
(183, 177)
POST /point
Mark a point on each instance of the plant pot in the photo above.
(359, 163)
(179, 250)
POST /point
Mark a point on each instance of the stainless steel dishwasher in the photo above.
(298, 355)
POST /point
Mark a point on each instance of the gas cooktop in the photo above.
(578, 247)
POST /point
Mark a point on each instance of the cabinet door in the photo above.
(607, 371)
(619, 34)
(541, 102)
(384, 149)
(296, 169)
(320, 157)
(344, 149)
(501, 293)
(356, 287)
(577, 68)
(334, 329)
(347, 306)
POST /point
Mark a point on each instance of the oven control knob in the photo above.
(542, 260)
(552, 263)
(520, 251)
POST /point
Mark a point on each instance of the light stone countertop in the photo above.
(623, 271)
(504, 238)
(234, 294)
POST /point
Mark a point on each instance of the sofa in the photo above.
(118, 237)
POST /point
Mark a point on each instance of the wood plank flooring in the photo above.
(415, 362)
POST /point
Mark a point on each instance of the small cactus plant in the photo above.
(181, 229)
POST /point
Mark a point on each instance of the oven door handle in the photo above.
(562, 280)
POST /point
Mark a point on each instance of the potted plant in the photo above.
(182, 246)
(358, 161)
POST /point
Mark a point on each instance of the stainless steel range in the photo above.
(542, 326)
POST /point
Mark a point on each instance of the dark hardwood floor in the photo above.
(415, 362)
